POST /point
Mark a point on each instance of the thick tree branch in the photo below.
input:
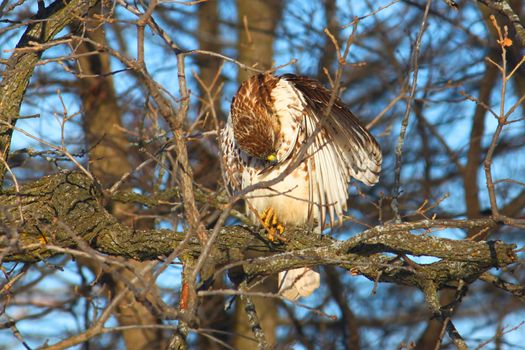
(61, 211)
(20, 66)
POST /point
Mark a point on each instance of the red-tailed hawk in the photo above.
(273, 121)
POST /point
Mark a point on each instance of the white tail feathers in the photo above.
(297, 283)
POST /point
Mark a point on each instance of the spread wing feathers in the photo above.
(360, 153)
(330, 180)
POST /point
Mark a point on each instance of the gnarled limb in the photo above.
(62, 210)
(20, 66)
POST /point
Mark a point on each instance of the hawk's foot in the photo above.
(274, 229)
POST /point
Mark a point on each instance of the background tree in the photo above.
(116, 229)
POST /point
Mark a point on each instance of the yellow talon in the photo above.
(272, 226)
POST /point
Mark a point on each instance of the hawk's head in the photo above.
(255, 125)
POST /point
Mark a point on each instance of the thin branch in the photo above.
(404, 122)
(504, 8)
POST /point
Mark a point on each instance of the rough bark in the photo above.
(20, 66)
(62, 211)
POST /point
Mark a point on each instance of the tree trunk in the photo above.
(108, 162)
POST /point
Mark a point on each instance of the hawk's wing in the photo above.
(360, 151)
(342, 148)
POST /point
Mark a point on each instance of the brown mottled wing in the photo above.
(360, 152)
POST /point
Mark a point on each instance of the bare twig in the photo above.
(404, 122)
(506, 10)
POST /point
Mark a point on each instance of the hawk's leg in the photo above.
(272, 226)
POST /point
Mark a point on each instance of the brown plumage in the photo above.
(280, 116)
(253, 121)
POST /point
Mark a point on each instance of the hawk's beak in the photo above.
(272, 159)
